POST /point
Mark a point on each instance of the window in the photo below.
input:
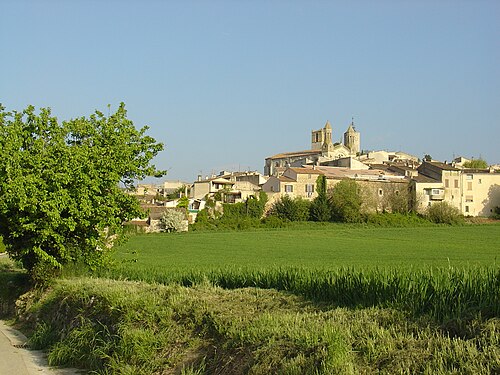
(479, 181)
(466, 208)
(470, 177)
(436, 192)
(456, 184)
(446, 183)
(380, 192)
(309, 176)
(288, 188)
(310, 188)
(469, 198)
(469, 185)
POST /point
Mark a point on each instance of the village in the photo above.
(474, 190)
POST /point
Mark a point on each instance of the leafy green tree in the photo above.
(183, 202)
(60, 196)
(476, 164)
(320, 207)
(345, 199)
(296, 209)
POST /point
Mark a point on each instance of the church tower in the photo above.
(352, 139)
(321, 136)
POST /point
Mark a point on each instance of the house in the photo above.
(301, 182)
(474, 192)
(233, 186)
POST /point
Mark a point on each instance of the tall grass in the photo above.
(441, 293)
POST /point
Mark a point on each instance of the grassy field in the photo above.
(326, 247)
(322, 299)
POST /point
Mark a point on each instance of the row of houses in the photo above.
(381, 174)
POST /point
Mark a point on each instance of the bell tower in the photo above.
(352, 139)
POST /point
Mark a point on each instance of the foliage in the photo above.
(13, 283)
(173, 220)
(496, 213)
(397, 199)
(176, 193)
(476, 164)
(59, 183)
(444, 213)
(286, 208)
(345, 198)
(183, 202)
(132, 327)
(320, 209)
(252, 207)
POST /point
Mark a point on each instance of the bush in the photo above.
(444, 213)
(173, 221)
(296, 209)
(496, 213)
(273, 221)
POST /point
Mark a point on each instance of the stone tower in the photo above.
(352, 139)
(321, 136)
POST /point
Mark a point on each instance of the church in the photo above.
(322, 150)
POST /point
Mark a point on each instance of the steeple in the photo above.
(352, 138)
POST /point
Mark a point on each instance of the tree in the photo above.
(320, 207)
(59, 184)
(345, 198)
(444, 213)
(173, 220)
(476, 164)
(397, 198)
(296, 209)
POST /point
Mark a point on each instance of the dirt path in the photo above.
(15, 359)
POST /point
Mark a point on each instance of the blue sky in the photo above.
(224, 84)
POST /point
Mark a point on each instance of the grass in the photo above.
(139, 328)
(323, 299)
(327, 247)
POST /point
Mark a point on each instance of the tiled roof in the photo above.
(424, 179)
(306, 171)
(443, 166)
(295, 154)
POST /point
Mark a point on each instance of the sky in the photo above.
(225, 84)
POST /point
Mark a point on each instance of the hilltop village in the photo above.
(473, 191)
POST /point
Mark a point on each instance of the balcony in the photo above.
(436, 197)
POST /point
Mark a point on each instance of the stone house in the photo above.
(475, 192)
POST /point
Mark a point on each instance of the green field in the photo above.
(327, 247)
(311, 299)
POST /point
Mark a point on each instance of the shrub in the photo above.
(173, 221)
(296, 209)
(444, 213)
(496, 213)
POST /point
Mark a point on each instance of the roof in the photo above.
(294, 154)
(424, 179)
(306, 171)
(286, 179)
(440, 165)
(222, 181)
